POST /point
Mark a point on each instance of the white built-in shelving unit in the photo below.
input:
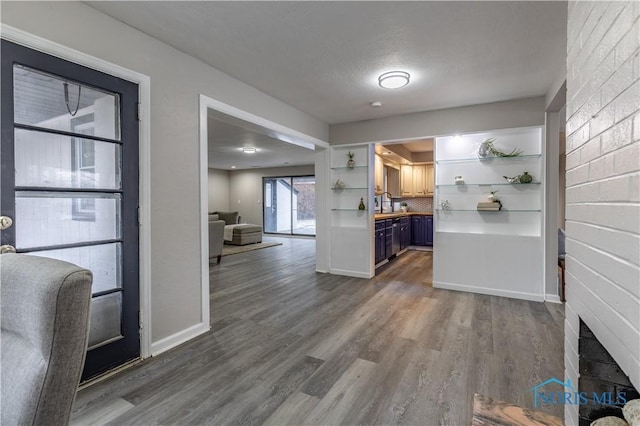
(351, 228)
(491, 252)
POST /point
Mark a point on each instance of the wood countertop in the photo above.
(400, 214)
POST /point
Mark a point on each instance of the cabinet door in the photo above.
(429, 178)
(417, 231)
(406, 180)
(378, 172)
(380, 245)
(420, 180)
(428, 230)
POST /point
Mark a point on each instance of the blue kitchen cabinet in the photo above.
(388, 238)
(380, 241)
(405, 233)
(428, 222)
(422, 230)
(417, 231)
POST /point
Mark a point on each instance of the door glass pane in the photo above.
(40, 99)
(278, 206)
(70, 218)
(304, 205)
(102, 260)
(56, 161)
(106, 319)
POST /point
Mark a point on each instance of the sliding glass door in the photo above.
(289, 205)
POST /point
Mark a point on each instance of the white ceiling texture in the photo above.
(324, 58)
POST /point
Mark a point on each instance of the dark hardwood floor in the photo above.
(292, 346)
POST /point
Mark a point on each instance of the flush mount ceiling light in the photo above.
(393, 79)
(249, 150)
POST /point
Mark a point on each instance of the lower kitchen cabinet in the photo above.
(428, 230)
(417, 231)
(414, 230)
(380, 241)
(422, 230)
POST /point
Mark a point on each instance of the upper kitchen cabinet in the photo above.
(392, 176)
(416, 180)
(430, 178)
(406, 180)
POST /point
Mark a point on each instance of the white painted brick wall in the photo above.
(603, 183)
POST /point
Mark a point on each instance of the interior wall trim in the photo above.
(490, 291)
(295, 137)
(143, 81)
(179, 338)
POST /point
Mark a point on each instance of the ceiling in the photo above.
(228, 135)
(324, 57)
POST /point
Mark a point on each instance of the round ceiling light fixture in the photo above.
(247, 150)
(393, 79)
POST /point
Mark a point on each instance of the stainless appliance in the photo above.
(395, 236)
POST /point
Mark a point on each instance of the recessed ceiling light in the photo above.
(393, 79)
(376, 104)
(233, 167)
(248, 150)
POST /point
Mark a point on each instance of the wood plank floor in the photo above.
(292, 346)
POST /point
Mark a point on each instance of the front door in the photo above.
(69, 184)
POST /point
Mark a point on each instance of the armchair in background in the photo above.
(45, 327)
(216, 237)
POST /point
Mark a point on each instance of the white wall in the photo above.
(176, 82)
(218, 190)
(468, 119)
(603, 175)
(245, 189)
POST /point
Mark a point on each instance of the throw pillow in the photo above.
(230, 218)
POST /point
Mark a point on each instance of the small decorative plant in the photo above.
(404, 206)
(487, 147)
(351, 162)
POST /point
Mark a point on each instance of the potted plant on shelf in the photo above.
(404, 207)
(350, 162)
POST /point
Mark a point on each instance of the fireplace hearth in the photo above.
(600, 376)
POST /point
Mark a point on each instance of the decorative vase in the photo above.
(361, 205)
(483, 150)
(404, 209)
(526, 178)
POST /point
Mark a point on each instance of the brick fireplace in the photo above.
(600, 377)
(602, 199)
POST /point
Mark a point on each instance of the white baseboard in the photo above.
(178, 338)
(489, 291)
(348, 273)
(322, 271)
(552, 298)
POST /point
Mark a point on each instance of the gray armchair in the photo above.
(216, 238)
(45, 316)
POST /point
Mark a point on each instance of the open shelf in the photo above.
(492, 211)
(348, 188)
(519, 185)
(483, 159)
(348, 168)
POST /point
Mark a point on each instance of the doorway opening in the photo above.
(289, 205)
